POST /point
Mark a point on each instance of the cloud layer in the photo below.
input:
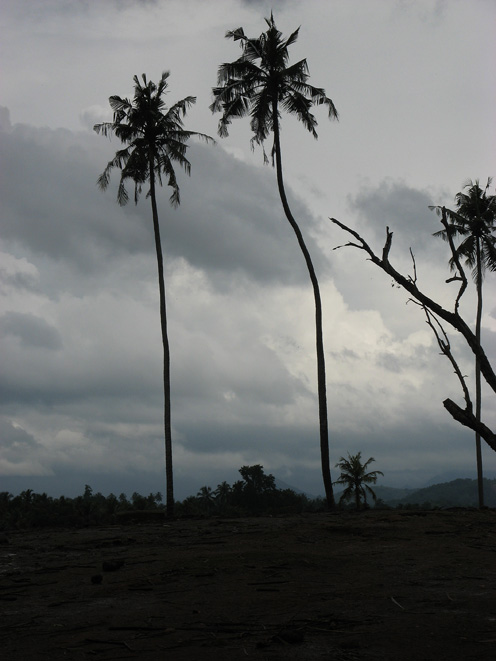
(80, 384)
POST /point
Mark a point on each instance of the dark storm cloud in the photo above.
(230, 220)
(32, 331)
(18, 281)
(60, 214)
(75, 380)
(15, 440)
(403, 209)
(20, 452)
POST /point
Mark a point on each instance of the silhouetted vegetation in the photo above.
(254, 495)
(355, 480)
(33, 510)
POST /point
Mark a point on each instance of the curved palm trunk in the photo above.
(321, 375)
(165, 343)
(478, 395)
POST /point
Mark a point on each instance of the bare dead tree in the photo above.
(434, 311)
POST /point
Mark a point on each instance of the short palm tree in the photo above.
(355, 479)
(260, 84)
(474, 221)
(155, 139)
(206, 497)
(222, 494)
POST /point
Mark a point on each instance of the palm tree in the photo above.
(260, 83)
(155, 139)
(475, 222)
(222, 494)
(355, 478)
(206, 498)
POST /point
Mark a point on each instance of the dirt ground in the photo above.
(375, 585)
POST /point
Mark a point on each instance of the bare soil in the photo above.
(373, 585)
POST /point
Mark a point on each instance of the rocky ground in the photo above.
(375, 585)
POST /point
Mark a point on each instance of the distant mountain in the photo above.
(450, 476)
(460, 492)
(389, 494)
(457, 493)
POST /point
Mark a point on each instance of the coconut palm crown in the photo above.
(260, 84)
(154, 136)
(356, 479)
(474, 221)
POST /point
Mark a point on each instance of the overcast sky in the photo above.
(414, 82)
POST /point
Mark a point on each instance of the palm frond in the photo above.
(236, 34)
(105, 128)
(292, 38)
(122, 196)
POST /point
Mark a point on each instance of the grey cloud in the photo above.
(14, 439)
(5, 124)
(20, 452)
(401, 208)
(92, 115)
(230, 220)
(255, 439)
(60, 214)
(397, 363)
(19, 281)
(31, 330)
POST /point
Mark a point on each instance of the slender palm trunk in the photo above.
(478, 395)
(321, 375)
(357, 497)
(165, 343)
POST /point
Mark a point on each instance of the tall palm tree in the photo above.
(474, 221)
(356, 480)
(155, 139)
(260, 83)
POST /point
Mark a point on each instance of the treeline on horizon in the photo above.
(255, 494)
(247, 497)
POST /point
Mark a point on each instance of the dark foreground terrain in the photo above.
(377, 585)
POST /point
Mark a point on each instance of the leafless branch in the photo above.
(468, 419)
(414, 279)
(408, 283)
(444, 345)
(434, 311)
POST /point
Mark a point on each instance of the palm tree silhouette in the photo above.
(474, 220)
(355, 478)
(260, 83)
(207, 498)
(222, 494)
(155, 139)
